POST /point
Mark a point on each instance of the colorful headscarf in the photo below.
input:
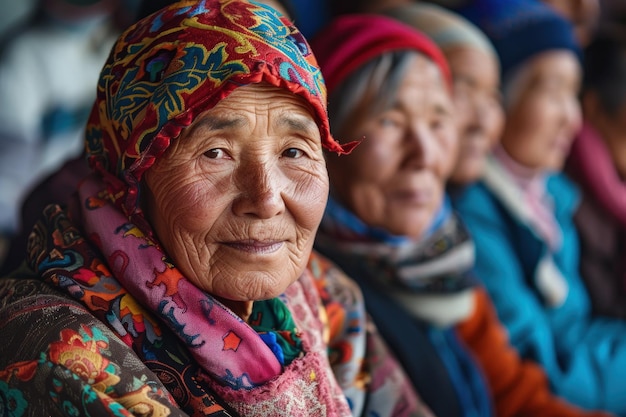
(162, 73)
(177, 63)
(350, 41)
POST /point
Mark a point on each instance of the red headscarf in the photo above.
(179, 62)
(350, 41)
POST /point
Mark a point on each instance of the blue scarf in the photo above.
(439, 365)
(338, 217)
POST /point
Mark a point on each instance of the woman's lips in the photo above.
(256, 246)
(419, 197)
(474, 150)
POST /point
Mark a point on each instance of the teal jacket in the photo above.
(539, 294)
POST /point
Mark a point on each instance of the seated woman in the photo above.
(521, 212)
(389, 224)
(475, 73)
(59, 185)
(597, 163)
(180, 280)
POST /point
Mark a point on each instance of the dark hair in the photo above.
(604, 69)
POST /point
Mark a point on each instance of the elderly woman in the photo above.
(475, 72)
(180, 280)
(60, 184)
(521, 213)
(389, 225)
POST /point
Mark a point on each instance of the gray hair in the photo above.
(370, 89)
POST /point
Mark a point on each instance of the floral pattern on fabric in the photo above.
(142, 288)
(78, 367)
(115, 325)
(170, 67)
(367, 371)
(203, 361)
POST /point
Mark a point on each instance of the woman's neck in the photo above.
(524, 176)
(241, 308)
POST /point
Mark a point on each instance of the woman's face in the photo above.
(543, 115)
(395, 178)
(237, 198)
(479, 112)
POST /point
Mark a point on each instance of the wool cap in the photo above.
(350, 41)
(520, 29)
(446, 28)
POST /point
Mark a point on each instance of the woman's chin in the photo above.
(411, 227)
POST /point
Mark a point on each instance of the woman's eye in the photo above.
(216, 153)
(385, 121)
(292, 153)
(390, 121)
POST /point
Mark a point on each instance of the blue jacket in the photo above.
(539, 294)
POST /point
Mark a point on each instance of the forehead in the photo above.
(248, 105)
(474, 62)
(559, 64)
(422, 79)
(265, 97)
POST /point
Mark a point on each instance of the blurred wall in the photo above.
(13, 13)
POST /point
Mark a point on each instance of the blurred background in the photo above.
(52, 51)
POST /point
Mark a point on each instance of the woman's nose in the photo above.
(259, 191)
(420, 150)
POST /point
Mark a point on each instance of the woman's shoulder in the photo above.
(331, 282)
(57, 355)
(565, 193)
(22, 287)
(477, 202)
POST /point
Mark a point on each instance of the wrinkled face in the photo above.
(479, 112)
(237, 198)
(544, 116)
(395, 178)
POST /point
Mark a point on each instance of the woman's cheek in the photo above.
(309, 196)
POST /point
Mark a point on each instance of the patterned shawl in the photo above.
(178, 63)
(162, 73)
(416, 291)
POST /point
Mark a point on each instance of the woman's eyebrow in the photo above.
(218, 122)
(298, 123)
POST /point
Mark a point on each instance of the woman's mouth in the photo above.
(256, 246)
(417, 197)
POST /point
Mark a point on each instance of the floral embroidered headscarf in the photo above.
(161, 74)
(179, 62)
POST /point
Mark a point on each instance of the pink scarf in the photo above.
(533, 188)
